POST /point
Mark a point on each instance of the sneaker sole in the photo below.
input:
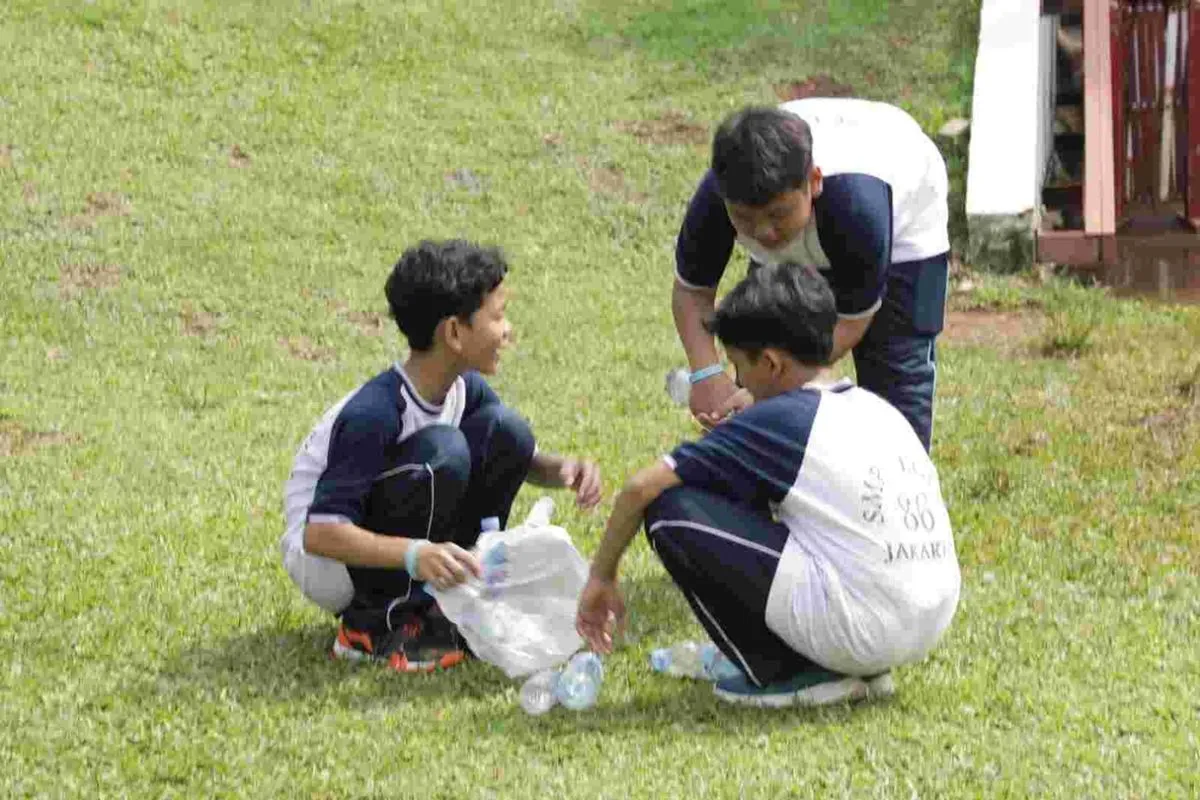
(824, 694)
(400, 663)
(346, 653)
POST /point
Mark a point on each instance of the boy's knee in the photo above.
(443, 448)
(675, 503)
(508, 430)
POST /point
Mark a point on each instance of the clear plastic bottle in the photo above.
(495, 569)
(538, 693)
(716, 666)
(681, 660)
(698, 660)
(489, 524)
(679, 386)
(579, 684)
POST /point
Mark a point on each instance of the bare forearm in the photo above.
(355, 546)
(546, 470)
(847, 334)
(690, 307)
(628, 511)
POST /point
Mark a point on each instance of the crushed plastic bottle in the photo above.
(679, 386)
(578, 686)
(538, 693)
(697, 660)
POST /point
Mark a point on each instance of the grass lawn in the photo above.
(199, 202)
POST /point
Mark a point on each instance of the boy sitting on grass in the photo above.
(390, 489)
(807, 531)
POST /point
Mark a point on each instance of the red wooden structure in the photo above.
(1154, 124)
(1141, 109)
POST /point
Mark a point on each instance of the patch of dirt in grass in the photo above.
(29, 193)
(1031, 443)
(371, 323)
(1001, 329)
(610, 181)
(6, 159)
(238, 158)
(97, 205)
(198, 323)
(106, 204)
(75, 279)
(813, 86)
(672, 127)
(553, 139)
(305, 349)
(16, 440)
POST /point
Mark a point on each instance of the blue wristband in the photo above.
(705, 372)
(410, 556)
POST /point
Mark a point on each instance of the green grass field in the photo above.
(199, 202)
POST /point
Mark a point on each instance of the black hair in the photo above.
(788, 306)
(758, 153)
(437, 280)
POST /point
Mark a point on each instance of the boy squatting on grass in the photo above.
(807, 531)
(389, 490)
(852, 187)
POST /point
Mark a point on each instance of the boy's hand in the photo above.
(445, 565)
(708, 398)
(601, 614)
(736, 402)
(582, 477)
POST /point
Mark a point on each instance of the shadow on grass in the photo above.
(284, 665)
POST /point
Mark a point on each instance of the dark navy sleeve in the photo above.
(854, 225)
(479, 393)
(755, 456)
(705, 238)
(360, 441)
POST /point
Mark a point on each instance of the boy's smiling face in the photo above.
(486, 333)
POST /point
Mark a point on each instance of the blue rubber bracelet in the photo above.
(705, 372)
(410, 556)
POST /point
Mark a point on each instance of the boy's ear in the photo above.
(776, 365)
(450, 331)
(816, 182)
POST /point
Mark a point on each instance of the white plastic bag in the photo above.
(520, 615)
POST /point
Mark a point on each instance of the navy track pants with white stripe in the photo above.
(723, 557)
(443, 481)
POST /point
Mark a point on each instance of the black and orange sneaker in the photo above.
(353, 645)
(419, 643)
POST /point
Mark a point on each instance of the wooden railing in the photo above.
(1155, 75)
(1141, 98)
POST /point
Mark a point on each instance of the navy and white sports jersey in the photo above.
(355, 440)
(869, 577)
(883, 201)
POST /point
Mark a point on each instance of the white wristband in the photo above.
(410, 556)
